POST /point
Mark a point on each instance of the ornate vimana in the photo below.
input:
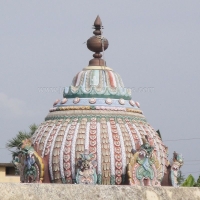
(96, 134)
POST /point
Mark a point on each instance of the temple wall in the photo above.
(21, 191)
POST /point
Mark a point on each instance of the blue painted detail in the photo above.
(99, 179)
(94, 77)
(123, 178)
(112, 179)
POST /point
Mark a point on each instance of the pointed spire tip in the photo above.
(97, 21)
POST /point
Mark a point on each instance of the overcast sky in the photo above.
(153, 44)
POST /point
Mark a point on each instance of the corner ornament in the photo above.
(176, 164)
(29, 164)
(144, 169)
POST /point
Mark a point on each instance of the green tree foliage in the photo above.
(197, 184)
(189, 182)
(14, 144)
(180, 178)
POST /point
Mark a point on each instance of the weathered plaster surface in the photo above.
(12, 191)
(8, 178)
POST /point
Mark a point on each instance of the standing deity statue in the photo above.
(176, 164)
(144, 168)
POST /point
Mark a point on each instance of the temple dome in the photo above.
(96, 114)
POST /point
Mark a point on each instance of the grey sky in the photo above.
(152, 44)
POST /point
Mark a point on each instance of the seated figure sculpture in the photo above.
(86, 169)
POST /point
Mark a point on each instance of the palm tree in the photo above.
(14, 144)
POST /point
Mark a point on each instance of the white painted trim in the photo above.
(87, 136)
(47, 125)
(73, 149)
(62, 151)
(123, 149)
(51, 153)
(37, 132)
(143, 129)
(112, 155)
(138, 133)
(98, 148)
(78, 79)
(47, 138)
(131, 136)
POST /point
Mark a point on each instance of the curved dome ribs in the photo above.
(54, 153)
(40, 135)
(110, 139)
(63, 151)
(44, 137)
(68, 154)
(107, 156)
(37, 132)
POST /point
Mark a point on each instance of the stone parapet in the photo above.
(16, 191)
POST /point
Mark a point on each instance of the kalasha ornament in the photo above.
(97, 43)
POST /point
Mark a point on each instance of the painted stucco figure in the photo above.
(86, 169)
(176, 164)
(144, 169)
(29, 164)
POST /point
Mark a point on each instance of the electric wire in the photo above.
(192, 172)
(174, 140)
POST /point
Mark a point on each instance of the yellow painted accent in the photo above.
(89, 108)
(74, 108)
(130, 166)
(133, 110)
(41, 165)
(8, 178)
